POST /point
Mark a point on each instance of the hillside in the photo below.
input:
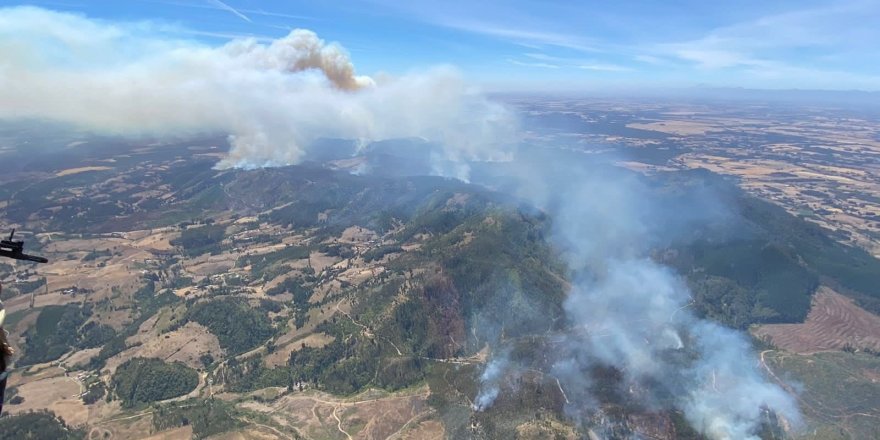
(316, 302)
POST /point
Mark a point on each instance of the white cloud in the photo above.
(546, 60)
(532, 64)
(799, 36)
(820, 39)
(519, 35)
(601, 67)
(711, 58)
(650, 59)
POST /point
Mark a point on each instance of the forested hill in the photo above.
(302, 279)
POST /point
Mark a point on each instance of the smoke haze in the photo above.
(628, 312)
(273, 99)
(490, 380)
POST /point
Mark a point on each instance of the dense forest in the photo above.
(199, 240)
(144, 380)
(770, 269)
(59, 329)
(238, 326)
(261, 264)
(207, 418)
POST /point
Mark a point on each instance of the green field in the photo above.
(837, 392)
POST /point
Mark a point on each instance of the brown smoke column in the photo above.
(303, 50)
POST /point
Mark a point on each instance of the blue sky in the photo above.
(557, 45)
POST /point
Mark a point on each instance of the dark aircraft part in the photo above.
(14, 249)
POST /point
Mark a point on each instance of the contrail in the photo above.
(226, 7)
(276, 14)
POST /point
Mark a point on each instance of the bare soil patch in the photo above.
(320, 261)
(260, 432)
(281, 355)
(81, 357)
(136, 426)
(182, 433)
(357, 234)
(70, 171)
(59, 394)
(185, 345)
(158, 241)
(370, 415)
(680, 128)
(52, 299)
(428, 429)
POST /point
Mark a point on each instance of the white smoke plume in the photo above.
(490, 382)
(273, 100)
(631, 313)
(635, 313)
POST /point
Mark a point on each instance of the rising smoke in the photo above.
(274, 100)
(490, 379)
(301, 50)
(628, 312)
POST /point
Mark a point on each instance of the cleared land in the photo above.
(834, 323)
(59, 394)
(281, 355)
(185, 345)
(369, 415)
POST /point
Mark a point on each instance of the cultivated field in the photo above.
(834, 323)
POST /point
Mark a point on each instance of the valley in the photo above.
(304, 301)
